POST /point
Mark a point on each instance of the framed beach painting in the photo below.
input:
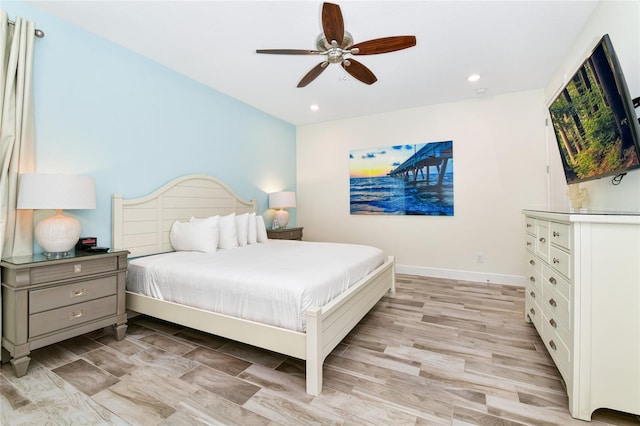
(402, 179)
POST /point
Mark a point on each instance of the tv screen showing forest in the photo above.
(595, 130)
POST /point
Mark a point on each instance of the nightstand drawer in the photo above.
(71, 316)
(69, 294)
(285, 234)
(68, 270)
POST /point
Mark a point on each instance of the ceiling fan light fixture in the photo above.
(336, 43)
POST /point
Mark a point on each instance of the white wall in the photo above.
(134, 125)
(501, 152)
(621, 20)
(499, 167)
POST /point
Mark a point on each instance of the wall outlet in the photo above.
(479, 258)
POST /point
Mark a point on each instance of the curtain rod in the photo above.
(39, 33)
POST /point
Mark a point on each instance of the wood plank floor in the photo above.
(441, 352)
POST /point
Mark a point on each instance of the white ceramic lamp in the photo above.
(57, 234)
(282, 200)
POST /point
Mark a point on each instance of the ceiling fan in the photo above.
(337, 45)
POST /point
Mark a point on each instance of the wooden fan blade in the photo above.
(384, 45)
(359, 71)
(288, 51)
(332, 23)
(311, 75)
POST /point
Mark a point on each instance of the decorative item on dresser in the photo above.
(45, 301)
(285, 234)
(582, 295)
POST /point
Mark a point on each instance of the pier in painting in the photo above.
(418, 165)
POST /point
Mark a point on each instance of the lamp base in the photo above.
(57, 235)
(282, 216)
(56, 254)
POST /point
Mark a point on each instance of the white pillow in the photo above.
(262, 230)
(228, 236)
(200, 235)
(252, 234)
(197, 219)
(242, 228)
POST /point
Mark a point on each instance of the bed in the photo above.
(142, 226)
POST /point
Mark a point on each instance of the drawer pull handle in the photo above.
(528, 243)
(532, 294)
(553, 281)
(77, 292)
(553, 303)
(532, 262)
(533, 311)
(542, 239)
(553, 323)
(532, 279)
(556, 260)
(556, 234)
(528, 225)
(76, 314)
(552, 344)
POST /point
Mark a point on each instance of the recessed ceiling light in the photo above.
(481, 91)
(473, 78)
(314, 107)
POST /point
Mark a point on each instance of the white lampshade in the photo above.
(56, 234)
(282, 200)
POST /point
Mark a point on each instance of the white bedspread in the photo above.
(271, 283)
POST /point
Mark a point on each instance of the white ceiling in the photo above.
(514, 45)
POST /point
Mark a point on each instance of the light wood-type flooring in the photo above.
(441, 352)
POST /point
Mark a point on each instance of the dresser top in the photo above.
(583, 215)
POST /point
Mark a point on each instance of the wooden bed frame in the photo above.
(142, 226)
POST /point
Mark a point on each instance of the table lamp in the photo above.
(282, 200)
(57, 234)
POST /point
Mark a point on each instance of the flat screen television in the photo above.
(594, 119)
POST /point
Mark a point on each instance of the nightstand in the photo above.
(285, 234)
(46, 301)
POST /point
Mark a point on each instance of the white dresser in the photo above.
(583, 296)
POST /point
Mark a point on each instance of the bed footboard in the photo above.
(327, 326)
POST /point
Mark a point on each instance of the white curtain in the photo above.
(17, 132)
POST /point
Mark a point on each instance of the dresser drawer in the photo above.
(69, 270)
(560, 261)
(556, 307)
(551, 278)
(542, 239)
(68, 294)
(557, 349)
(71, 316)
(534, 312)
(530, 242)
(530, 225)
(534, 272)
(561, 234)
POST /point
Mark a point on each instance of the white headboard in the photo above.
(142, 225)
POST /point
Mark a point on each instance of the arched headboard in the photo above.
(142, 225)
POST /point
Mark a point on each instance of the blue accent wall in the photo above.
(133, 124)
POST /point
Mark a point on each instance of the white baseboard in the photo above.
(482, 277)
